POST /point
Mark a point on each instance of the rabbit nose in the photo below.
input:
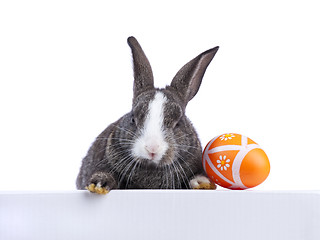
(152, 149)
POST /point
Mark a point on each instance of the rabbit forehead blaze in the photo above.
(155, 115)
(151, 144)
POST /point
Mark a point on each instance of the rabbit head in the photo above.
(159, 114)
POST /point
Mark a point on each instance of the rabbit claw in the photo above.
(202, 182)
(97, 189)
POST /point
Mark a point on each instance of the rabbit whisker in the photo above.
(120, 165)
(123, 173)
(123, 155)
(182, 173)
(122, 139)
(169, 177)
(184, 148)
(186, 164)
(104, 160)
(172, 176)
(122, 144)
(132, 172)
(177, 173)
(119, 153)
(133, 134)
(183, 136)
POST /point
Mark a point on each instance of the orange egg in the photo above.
(236, 162)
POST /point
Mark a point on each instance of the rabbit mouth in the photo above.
(151, 163)
(154, 156)
(151, 156)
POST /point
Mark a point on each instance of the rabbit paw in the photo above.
(101, 183)
(202, 182)
(97, 189)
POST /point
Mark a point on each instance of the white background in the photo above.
(66, 73)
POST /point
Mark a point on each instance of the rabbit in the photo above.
(154, 146)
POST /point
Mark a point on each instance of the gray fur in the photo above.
(109, 161)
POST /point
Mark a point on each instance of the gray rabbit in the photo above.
(154, 146)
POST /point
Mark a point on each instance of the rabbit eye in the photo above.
(132, 120)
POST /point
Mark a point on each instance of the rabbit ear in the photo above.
(187, 81)
(143, 77)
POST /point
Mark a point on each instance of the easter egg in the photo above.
(236, 162)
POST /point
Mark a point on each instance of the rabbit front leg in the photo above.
(202, 182)
(101, 183)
